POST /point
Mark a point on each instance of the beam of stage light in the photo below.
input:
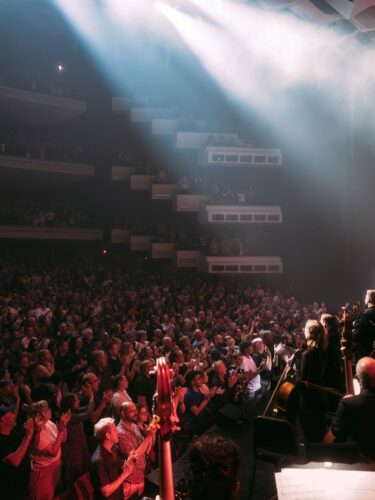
(106, 28)
(296, 51)
(219, 54)
(137, 16)
(267, 61)
(90, 23)
(255, 72)
(278, 83)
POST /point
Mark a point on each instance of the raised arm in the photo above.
(17, 456)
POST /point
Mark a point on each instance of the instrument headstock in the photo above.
(163, 405)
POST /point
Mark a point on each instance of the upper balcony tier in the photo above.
(28, 106)
(32, 173)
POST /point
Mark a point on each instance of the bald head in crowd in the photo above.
(365, 370)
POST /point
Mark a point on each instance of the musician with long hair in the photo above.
(313, 403)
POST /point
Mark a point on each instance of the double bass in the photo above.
(283, 399)
(165, 416)
(275, 429)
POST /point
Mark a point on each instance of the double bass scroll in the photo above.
(166, 417)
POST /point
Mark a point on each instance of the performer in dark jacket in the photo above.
(313, 403)
(334, 373)
(366, 328)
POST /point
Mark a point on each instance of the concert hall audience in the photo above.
(78, 347)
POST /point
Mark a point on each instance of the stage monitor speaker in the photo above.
(231, 415)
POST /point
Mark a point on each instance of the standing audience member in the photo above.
(197, 414)
(250, 368)
(101, 369)
(131, 438)
(120, 394)
(108, 470)
(75, 451)
(224, 385)
(262, 356)
(284, 351)
(45, 452)
(14, 458)
(142, 419)
(145, 385)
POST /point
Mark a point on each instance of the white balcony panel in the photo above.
(239, 214)
(190, 202)
(141, 182)
(141, 243)
(240, 156)
(120, 104)
(197, 140)
(163, 191)
(164, 126)
(146, 115)
(120, 236)
(188, 258)
(163, 250)
(243, 265)
(51, 233)
(120, 173)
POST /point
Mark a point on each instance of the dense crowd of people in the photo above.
(78, 347)
(15, 144)
(48, 213)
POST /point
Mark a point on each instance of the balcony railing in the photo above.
(239, 214)
(243, 265)
(50, 233)
(240, 156)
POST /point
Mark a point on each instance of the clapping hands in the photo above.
(130, 462)
(64, 419)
